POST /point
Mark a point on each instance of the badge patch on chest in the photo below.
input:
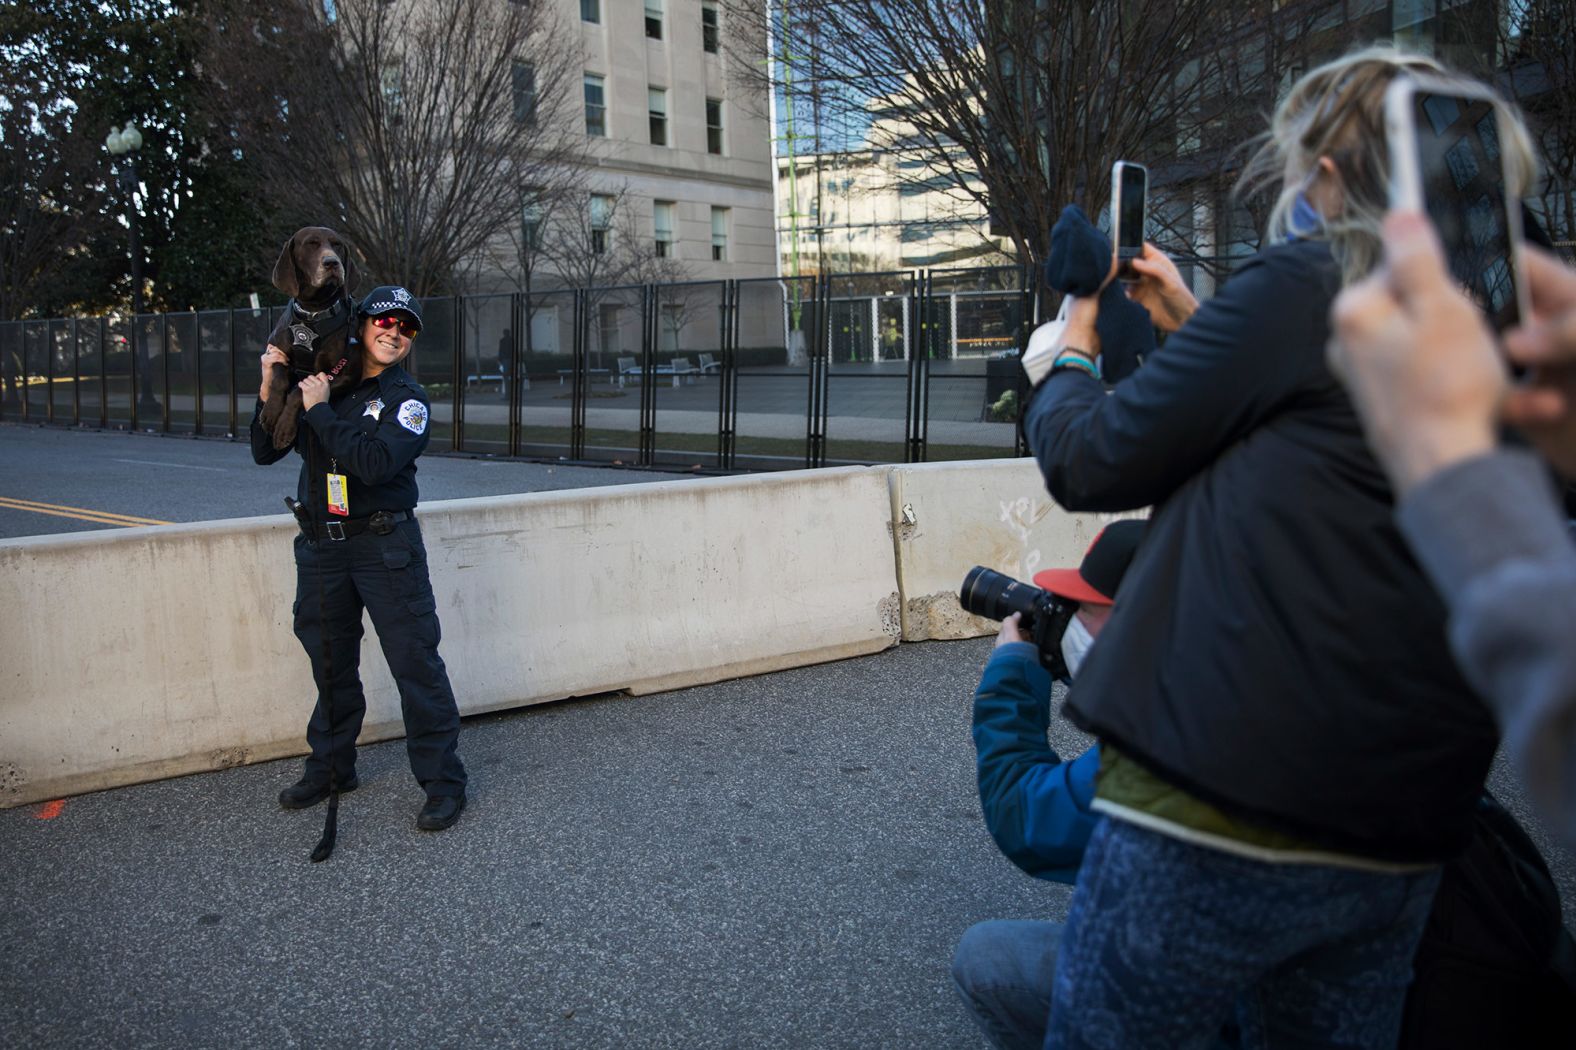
(413, 416)
(374, 408)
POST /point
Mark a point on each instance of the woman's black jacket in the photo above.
(1275, 650)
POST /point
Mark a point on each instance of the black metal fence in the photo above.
(727, 375)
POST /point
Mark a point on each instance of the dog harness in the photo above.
(308, 331)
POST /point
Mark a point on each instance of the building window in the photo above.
(601, 219)
(393, 85)
(662, 219)
(657, 111)
(531, 219)
(714, 126)
(525, 93)
(719, 235)
(596, 107)
(590, 10)
(709, 26)
(654, 19)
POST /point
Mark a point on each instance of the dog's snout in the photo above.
(331, 261)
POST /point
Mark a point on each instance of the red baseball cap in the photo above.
(1104, 565)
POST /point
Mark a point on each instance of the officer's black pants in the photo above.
(387, 576)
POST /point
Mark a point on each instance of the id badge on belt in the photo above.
(338, 491)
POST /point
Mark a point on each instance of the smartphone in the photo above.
(1129, 207)
(1445, 161)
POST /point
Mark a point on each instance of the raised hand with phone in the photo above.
(1417, 347)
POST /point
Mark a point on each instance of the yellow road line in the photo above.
(102, 517)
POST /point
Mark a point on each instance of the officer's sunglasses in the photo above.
(406, 329)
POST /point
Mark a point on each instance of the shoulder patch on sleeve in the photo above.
(413, 416)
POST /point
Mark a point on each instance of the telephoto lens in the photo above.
(997, 596)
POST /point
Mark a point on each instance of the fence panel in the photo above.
(35, 370)
(488, 335)
(771, 403)
(11, 373)
(176, 365)
(89, 385)
(61, 385)
(614, 352)
(686, 394)
(433, 361)
(545, 322)
(870, 343)
(975, 387)
(249, 336)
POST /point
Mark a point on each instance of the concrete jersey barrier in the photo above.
(144, 653)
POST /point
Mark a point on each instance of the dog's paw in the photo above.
(284, 431)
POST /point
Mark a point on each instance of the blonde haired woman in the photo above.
(1288, 750)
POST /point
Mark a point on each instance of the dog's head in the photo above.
(314, 267)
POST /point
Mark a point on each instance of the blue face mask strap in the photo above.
(1305, 220)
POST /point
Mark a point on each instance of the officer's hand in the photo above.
(314, 390)
(1009, 631)
(272, 355)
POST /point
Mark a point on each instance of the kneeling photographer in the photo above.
(1036, 805)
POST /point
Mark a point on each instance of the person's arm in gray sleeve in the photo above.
(1490, 535)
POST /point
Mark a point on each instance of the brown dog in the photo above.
(314, 270)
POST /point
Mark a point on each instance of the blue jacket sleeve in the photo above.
(1036, 806)
(377, 457)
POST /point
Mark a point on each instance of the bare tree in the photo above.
(410, 126)
(592, 240)
(1538, 71)
(1022, 107)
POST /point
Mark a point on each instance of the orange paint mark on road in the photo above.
(51, 810)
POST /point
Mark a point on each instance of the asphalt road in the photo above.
(70, 475)
(780, 861)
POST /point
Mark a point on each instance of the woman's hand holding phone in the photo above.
(1161, 290)
(1544, 405)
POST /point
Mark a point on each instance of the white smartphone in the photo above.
(1445, 161)
(1129, 210)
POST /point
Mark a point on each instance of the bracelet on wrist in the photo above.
(1078, 361)
(1080, 351)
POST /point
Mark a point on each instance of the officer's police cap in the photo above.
(388, 299)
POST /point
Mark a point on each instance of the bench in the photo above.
(681, 370)
(565, 373)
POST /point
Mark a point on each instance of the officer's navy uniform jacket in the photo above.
(363, 433)
(1276, 651)
(372, 435)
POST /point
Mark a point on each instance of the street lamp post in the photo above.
(123, 146)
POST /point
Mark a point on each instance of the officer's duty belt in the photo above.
(381, 522)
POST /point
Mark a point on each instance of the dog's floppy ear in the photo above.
(287, 277)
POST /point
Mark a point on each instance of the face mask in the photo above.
(1076, 642)
(1305, 219)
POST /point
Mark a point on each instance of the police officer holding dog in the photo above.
(361, 548)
